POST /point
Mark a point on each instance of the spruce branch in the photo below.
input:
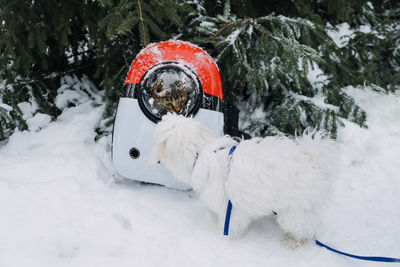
(176, 19)
(105, 3)
(141, 20)
(146, 17)
(226, 26)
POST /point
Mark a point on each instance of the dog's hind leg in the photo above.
(239, 222)
(299, 225)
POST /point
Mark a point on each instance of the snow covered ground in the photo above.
(61, 206)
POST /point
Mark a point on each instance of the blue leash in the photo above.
(366, 258)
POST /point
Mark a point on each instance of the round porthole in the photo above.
(169, 87)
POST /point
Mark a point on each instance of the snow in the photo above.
(38, 121)
(60, 204)
(231, 39)
(316, 76)
(341, 34)
(207, 24)
(6, 107)
(318, 100)
(27, 109)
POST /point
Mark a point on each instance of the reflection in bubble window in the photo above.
(169, 88)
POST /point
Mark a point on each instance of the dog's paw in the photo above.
(290, 242)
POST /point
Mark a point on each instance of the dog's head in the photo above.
(177, 142)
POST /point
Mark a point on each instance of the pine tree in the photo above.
(265, 62)
(265, 51)
(374, 50)
(41, 42)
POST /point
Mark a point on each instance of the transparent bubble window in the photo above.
(169, 88)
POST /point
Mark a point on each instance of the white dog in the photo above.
(263, 175)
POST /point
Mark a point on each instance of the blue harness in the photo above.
(229, 208)
(366, 258)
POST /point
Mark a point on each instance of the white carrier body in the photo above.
(132, 129)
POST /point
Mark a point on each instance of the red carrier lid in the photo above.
(182, 52)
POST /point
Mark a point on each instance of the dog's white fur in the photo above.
(265, 175)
